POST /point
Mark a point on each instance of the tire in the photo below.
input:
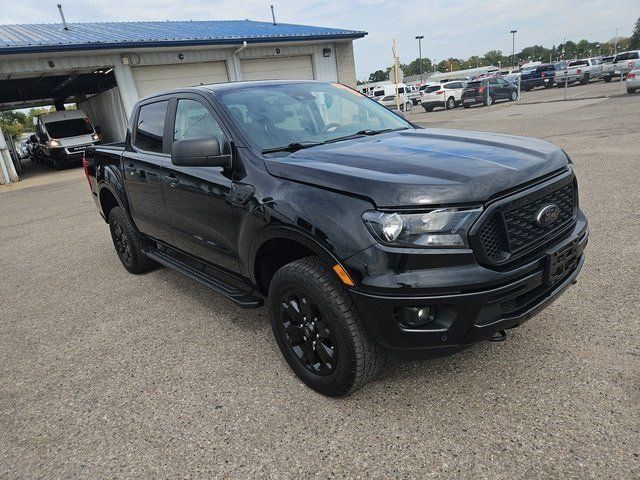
(488, 101)
(514, 96)
(585, 80)
(324, 309)
(631, 90)
(548, 85)
(407, 107)
(607, 79)
(128, 243)
(451, 103)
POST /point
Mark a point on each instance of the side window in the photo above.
(493, 81)
(400, 89)
(193, 120)
(150, 127)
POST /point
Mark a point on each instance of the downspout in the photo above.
(242, 47)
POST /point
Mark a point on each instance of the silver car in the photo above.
(633, 79)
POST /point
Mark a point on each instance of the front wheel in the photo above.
(451, 103)
(319, 329)
(631, 90)
(585, 80)
(514, 95)
(607, 79)
(488, 101)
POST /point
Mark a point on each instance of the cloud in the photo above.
(452, 28)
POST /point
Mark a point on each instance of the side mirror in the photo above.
(97, 129)
(199, 152)
(33, 138)
(398, 112)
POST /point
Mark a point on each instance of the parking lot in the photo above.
(107, 374)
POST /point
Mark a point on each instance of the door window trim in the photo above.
(134, 132)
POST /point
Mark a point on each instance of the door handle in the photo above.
(171, 179)
(130, 168)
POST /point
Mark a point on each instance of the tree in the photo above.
(634, 41)
(377, 76)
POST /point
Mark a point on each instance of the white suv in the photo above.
(447, 95)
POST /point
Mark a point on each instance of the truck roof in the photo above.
(62, 115)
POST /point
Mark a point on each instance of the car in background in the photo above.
(623, 63)
(62, 137)
(389, 89)
(633, 78)
(487, 91)
(389, 101)
(608, 67)
(446, 95)
(582, 71)
(540, 76)
(413, 94)
(511, 76)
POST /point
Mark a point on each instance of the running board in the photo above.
(240, 297)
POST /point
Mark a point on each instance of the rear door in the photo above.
(199, 198)
(142, 164)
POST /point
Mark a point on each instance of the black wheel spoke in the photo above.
(308, 333)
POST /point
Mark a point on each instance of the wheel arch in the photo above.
(276, 246)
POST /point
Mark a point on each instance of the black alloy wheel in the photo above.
(121, 243)
(308, 333)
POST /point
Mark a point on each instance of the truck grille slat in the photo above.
(511, 230)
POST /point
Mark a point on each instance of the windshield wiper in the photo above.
(292, 147)
(366, 131)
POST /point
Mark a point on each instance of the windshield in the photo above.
(69, 128)
(273, 116)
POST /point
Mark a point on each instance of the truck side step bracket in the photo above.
(240, 297)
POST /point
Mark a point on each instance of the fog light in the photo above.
(413, 317)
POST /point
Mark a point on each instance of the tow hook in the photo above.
(499, 336)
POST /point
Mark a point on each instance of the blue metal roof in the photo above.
(28, 38)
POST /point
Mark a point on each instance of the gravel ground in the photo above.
(107, 374)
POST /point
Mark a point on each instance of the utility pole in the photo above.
(419, 38)
(395, 71)
(616, 40)
(513, 48)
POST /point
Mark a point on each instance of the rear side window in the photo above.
(578, 63)
(626, 56)
(150, 127)
(432, 88)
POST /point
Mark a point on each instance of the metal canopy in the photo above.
(48, 89)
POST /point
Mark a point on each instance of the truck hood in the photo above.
(422, 167)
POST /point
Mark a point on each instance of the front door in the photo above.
(142, 168)
(199, 198)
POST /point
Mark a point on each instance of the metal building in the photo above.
(106, 67)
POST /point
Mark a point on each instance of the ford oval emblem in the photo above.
(547, 215)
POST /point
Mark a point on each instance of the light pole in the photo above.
(419, 38)
(513, 48)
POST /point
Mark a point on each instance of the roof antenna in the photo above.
(273, 15)
(64, 22)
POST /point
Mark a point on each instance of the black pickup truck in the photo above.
(364, 233)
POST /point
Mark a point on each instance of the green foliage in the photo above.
(634, 41)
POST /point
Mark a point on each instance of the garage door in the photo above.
(157, 78)
(284, 68)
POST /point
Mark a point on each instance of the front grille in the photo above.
(511, 229)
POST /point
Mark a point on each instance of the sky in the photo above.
(456, 29)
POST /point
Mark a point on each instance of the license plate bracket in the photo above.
(562, 260)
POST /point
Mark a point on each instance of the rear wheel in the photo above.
(631, 90)
(407, 106)
(319, 329)
(585, 80)
(128, 243)
(607, 79)
(514, 95)
(488, 101)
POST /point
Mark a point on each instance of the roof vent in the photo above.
(64, 22)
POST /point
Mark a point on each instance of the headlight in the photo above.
(95, 137)
(443, 227)
(54, 143)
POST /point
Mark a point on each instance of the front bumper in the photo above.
(475, 314)
(66, 156)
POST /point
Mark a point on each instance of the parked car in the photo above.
(582, 71)
(487, 91)
(540, 76)
(62, 137)
(389, 89)
(511, 76)
(414, 94)
(362, 237)
(623, 63)
(389, 101)
(608, 67)
(633, 79)
(446, 95)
